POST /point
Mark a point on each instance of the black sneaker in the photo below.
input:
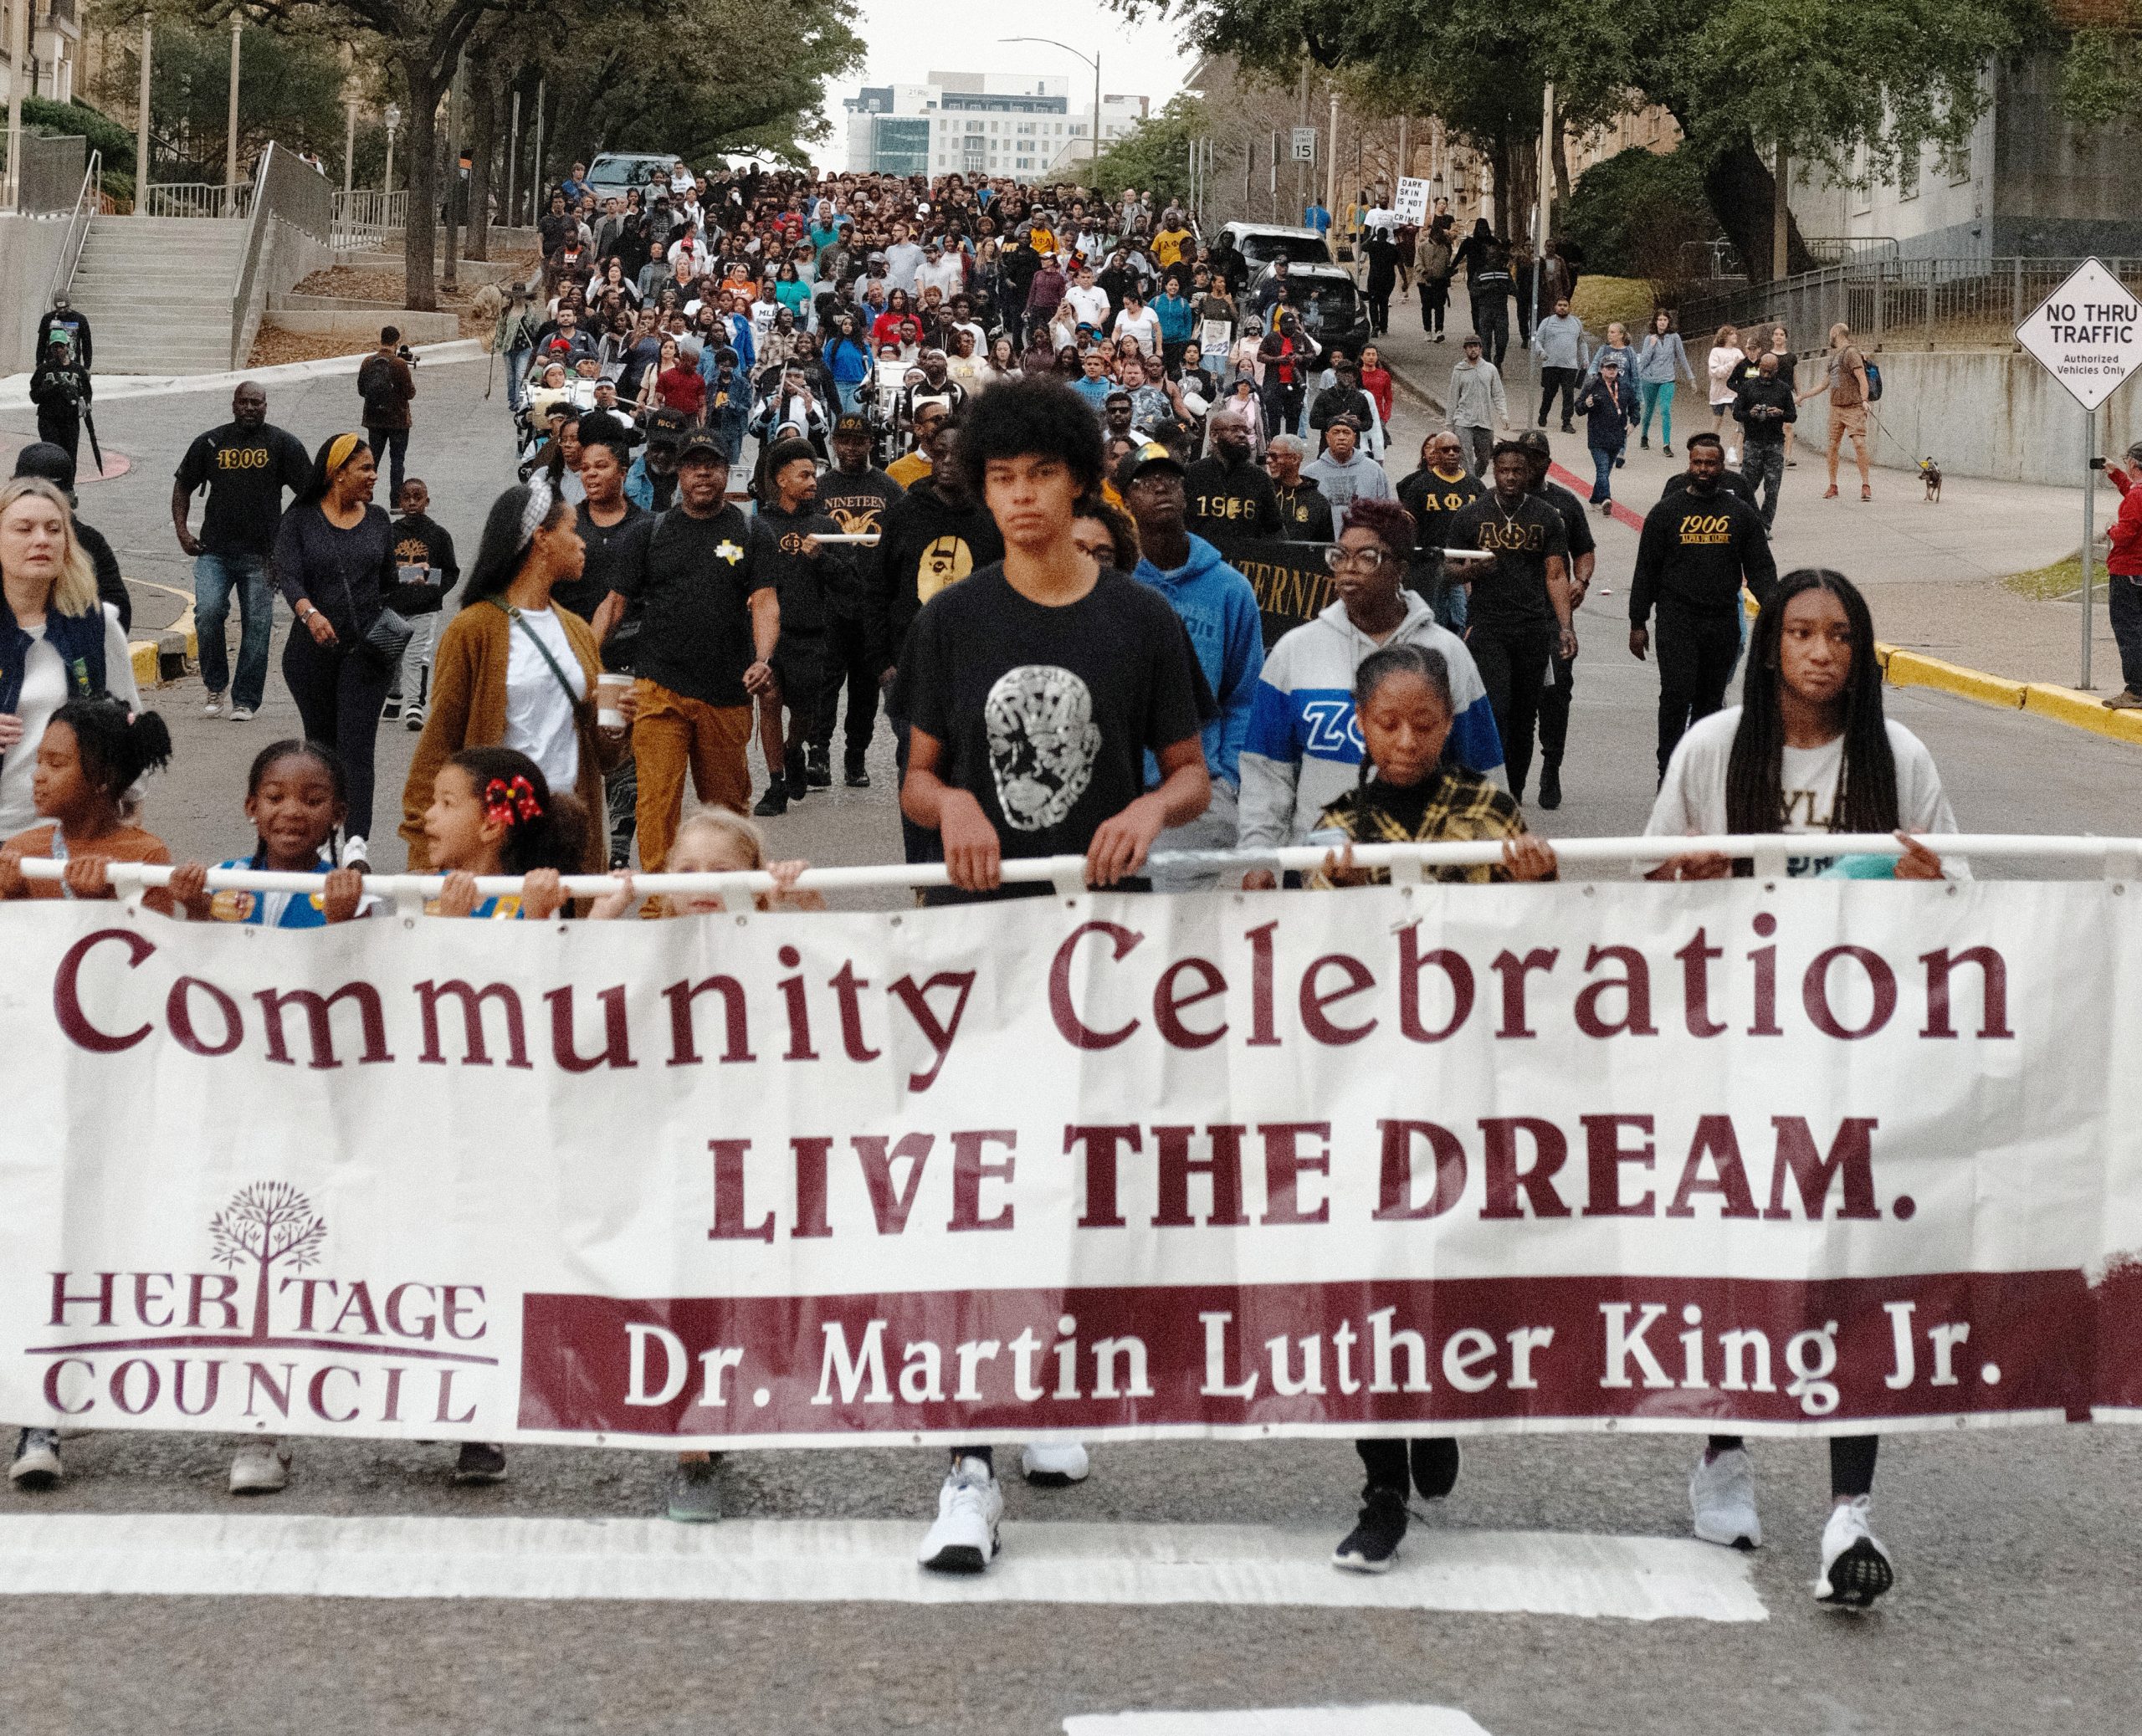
(859, 777)
(1550, 787)
(818, 772)
(774, 802)
(480, 1461)
(1372, 1545)
(37, 1459)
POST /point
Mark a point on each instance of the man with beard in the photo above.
(1700, 545)
(1230, 496)
(856, 496)
(1305, 514)
(1434, 494)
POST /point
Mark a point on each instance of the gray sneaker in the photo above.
(2126, 700)
(693, 1499)
(37, 1459)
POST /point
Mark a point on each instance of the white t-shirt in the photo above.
(45, 690)
(539, 718)
(1691, 801)
(1089, 303)
(1144, 325)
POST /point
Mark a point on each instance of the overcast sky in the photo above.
(910, 38)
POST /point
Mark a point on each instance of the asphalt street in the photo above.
(2017, 1600)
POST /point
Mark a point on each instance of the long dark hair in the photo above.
(500, 552)
(1866, 783)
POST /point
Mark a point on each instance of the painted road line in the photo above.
(1282, 1721)
(859, 1561)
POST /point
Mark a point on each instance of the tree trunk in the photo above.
(483, 93)
(425, 87)
(1742, 193)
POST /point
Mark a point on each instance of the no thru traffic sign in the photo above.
(2088, 334)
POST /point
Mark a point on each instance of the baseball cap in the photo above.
(1141, 458)
(851, 423)
(666, 428)
(701, 443)
(1535, 440)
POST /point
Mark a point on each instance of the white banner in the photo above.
(1760, 1157)
(1411, 204)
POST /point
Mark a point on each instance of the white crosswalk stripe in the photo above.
(1282, 1721)
(865, 1561)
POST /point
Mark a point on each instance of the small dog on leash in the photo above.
(1929, 473)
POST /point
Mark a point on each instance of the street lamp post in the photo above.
(141, 121)
(1094, 61)
(393, 120)
(230, 143)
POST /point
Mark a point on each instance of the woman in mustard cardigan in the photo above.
(512, 670)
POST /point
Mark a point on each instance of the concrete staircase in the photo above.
(158, 292)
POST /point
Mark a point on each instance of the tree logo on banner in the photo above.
(269, 1223)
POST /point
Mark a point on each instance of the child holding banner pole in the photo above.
(1406, 793)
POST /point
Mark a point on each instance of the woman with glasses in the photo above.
(1302, 753)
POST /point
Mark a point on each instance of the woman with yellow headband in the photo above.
(334, 562)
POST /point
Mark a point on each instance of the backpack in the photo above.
(1874, 380)
(376, 387)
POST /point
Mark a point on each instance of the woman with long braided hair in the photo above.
(1807, 751)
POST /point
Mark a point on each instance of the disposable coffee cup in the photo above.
(609, 689)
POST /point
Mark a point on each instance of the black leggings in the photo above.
(1434, 1464)
(340, 690)
(1851, 1461)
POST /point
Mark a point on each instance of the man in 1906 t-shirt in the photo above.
(1519, 612)
(1034, 689)
(245, 465)
(710, 624)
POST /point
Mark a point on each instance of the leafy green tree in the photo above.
(1635, 213)
(1826, 78)
(1155, 153)
(289, 90)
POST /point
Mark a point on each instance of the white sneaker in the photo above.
(1856, 1568)
(969, 1506)
(1053, 1465)
(261, 1469)
(212, 706)
(357, 853)
(240, 714)
(1722, 1498)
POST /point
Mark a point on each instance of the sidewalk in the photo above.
(1932, 573)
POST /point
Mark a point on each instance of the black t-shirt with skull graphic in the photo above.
(1046, 714)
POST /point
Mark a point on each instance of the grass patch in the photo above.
(2056, 583)
(1627, 299)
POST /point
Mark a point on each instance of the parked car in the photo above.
(614, 173)
(1261, 243)
(1325, 300)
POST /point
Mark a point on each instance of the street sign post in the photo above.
(1411, 206)
(2088, 335)
(1304, 141)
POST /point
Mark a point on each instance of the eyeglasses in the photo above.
(1360, 560)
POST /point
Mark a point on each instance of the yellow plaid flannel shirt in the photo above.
(1463, 806)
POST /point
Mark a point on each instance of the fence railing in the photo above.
(1896, 302)
(196, 198)
(2112, 859)
(364, 216)
(86, 204)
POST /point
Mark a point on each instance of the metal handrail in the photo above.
(2115, 858)
(78, 231)
(367, 213)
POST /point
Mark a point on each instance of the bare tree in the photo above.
(269, 1223)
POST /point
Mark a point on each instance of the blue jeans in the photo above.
(215, 576)
(516, 376)
(1602, 473)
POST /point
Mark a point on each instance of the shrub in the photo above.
(1633, 213)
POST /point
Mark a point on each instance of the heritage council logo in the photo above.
(268, 1339)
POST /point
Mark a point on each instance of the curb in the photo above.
(2067, 705)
